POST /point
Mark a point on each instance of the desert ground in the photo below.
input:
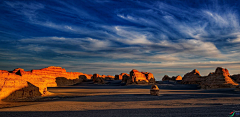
(93, 100)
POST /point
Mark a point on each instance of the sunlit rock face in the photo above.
(23, 91)
(42, 78)
(109, 77)
(219, 79)
(177, 78)
(46, 77)
(122, 76)
(138, 77)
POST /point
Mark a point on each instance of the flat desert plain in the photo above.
(127, 101)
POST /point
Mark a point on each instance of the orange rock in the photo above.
(23, 91)
(139, 77)
(42, 79)
(109, 77)
(176, 78)
(121, 76)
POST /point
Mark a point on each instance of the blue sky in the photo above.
(109, 37)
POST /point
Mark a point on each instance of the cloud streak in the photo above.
(168, 37)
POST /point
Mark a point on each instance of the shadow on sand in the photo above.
(209, 111)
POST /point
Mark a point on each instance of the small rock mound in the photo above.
(154, 90)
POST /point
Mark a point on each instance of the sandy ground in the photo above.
(116, 101)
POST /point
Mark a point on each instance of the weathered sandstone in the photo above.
(192, 77)
(43, 78)
(177, 78)
(138, 77)
(218, 79)
(154, 90)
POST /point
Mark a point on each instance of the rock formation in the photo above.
(109, 77)
(121, 76)
(177, 78)
(236, 77)
(192, 77)
(218, 79)
(166, 78)
(137, 77)
(62, 81)
(174, 78)
(154, 90)
(23, 91)
(43, 78)
(98, 79)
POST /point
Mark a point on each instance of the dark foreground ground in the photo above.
(127, 101)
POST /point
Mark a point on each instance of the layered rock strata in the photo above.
(12, 81)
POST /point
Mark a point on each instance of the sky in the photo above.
(164, 37)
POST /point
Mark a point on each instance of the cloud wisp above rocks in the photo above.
(170, 37)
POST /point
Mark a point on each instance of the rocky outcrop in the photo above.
(136, 77)
(24, 91)
(166, 78)
(177, 78)
(123, 77)
(98, 79)
(61, 81)
(236, 77)
(109, 77)
(174, 78)
(192, 77)
(86, 77)
(42, 78)
(154, 90)
(219, 79)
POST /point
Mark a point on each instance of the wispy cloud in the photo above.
(169, 37)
